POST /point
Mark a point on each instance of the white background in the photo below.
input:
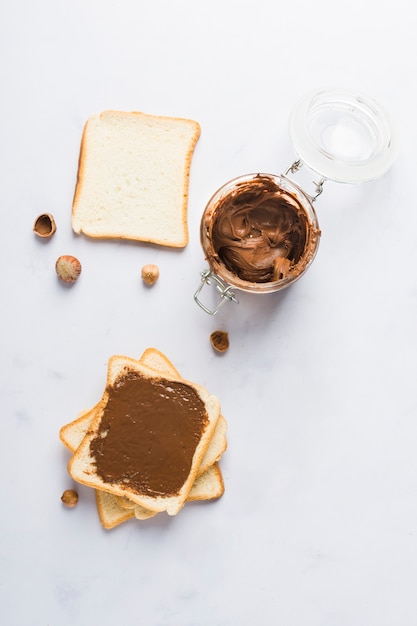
(318, 524)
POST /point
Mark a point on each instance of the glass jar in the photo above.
(260, 232)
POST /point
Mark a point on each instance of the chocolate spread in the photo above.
(259, 231)
(148, 434)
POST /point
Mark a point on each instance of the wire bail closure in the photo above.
(225, 291)
(295, 167)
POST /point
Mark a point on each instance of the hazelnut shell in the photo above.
(44, 225)
(219, 339)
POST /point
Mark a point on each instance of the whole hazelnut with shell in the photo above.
(68, 268)
(150, 274)
(69, 498)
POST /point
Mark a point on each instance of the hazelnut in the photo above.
(44, 225)
(150, 274)
(219, 340)
(70, 497)
(68, 268)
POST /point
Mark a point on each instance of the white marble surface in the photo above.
(318, 525)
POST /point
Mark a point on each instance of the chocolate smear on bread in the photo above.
(148, 434)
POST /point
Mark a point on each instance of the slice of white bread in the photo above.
(114, 510)
(82, 465)
(133, 177)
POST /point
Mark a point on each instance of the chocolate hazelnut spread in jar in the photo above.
(260, 232)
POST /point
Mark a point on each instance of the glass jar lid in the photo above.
(343, 135)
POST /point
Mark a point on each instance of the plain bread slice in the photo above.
(133, 177)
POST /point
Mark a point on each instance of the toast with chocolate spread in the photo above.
(133, 177)
(148, 437)
(114, 510)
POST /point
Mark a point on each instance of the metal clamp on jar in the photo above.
(260, 232)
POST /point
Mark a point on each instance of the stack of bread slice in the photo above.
(119, 500)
